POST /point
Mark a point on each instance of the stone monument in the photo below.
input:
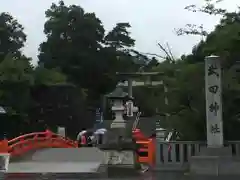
(215, 159)
(213, 91)
(118, 145)
(61, 131)
(4, 162)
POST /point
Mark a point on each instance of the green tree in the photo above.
(16, 80)
(119, 37)
(76, 43)
(210, 8)
(43, 76)
(186, 97)
(73, 44)
(12, 37)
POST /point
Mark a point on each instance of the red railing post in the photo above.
(151, 157)
(48, 133)
(4, 146)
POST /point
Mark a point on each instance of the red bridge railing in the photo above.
(24, 143)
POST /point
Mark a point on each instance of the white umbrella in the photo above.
(80, 134)
(100, 131)
(2, 110)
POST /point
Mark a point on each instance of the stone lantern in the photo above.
(119, 108)
(119, 125)
(118, 97)
(118, 145)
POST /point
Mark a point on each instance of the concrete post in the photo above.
(215, 159)
(213, 89)
(160, 134)
(61, 131)
(4, 162)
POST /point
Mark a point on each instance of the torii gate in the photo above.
(130, 83)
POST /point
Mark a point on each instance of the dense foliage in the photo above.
(78, 64)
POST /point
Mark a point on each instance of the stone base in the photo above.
(212, 151)
(112, 141)
(4, 162)
(122, 170)
(116, 162)
(118, 124)
(215, 161)
(112, 157)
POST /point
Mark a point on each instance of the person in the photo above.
(90, 138)
(83, 141)
(81, 138)
(99, 135)
(153, 135)
(100, 138)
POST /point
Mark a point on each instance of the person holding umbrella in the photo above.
(81, 138)
(99, 135)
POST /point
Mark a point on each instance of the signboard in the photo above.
(98, 115)
(213, 101)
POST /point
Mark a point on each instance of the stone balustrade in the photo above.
(175, 155)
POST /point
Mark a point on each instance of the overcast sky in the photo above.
(152, 20)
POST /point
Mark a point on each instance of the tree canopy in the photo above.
(78, 45)
(12, 36)
(79, 60)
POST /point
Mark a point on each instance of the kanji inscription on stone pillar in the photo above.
(213, 91)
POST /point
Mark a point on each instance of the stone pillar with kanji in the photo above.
(213, 89)
(214, 158)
